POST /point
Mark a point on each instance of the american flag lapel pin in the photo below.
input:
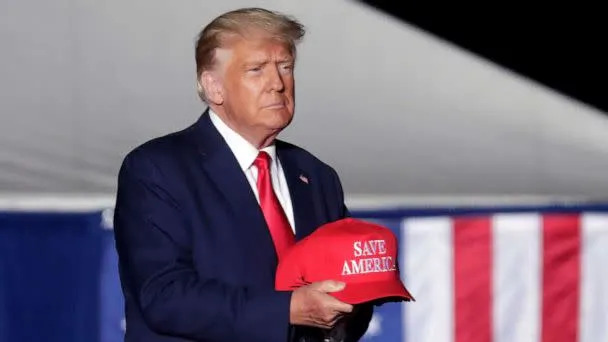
(304, 179)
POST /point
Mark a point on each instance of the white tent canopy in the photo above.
(400, 114)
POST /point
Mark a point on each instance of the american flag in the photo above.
(500, 277)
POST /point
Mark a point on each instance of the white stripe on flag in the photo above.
(517, 247)
(594, 273)
(428, 274)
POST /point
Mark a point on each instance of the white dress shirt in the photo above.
(245, 154)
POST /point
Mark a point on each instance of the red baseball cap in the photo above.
(361, 254)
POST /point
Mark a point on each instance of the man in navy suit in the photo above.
(203, 215)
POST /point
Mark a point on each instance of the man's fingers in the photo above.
(330, 316)
(328, 286)
(335, 305)
(329, 321)
(314, 305)
(329, 302)
(338, 316)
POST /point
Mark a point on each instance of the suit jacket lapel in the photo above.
(222, 167)
(300, 190)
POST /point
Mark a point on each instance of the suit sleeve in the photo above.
(153, 241)
(344, 212)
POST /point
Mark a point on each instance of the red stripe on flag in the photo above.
(472, 277)
(561, 277)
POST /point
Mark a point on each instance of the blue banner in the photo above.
(50, 279)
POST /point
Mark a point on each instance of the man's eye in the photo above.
(255, 68)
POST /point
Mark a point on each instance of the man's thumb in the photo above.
(331, 286)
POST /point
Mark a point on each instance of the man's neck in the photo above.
(258, 139)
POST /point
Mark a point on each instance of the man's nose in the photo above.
(276, 79)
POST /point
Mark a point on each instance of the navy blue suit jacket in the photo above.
(196, 259)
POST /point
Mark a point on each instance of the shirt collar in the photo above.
(244, 152)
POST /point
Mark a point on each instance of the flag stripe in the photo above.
(501, 277)
(561, 269)
(428, 273)
(594, 278)
(516, 277)
(472, 263)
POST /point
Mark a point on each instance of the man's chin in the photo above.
(279, 119)
(278, 126)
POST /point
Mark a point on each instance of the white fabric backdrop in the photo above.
(395, 110)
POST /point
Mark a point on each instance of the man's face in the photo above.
(258, 85)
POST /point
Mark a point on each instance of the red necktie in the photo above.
(280, 230)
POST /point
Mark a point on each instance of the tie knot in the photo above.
(262, 160)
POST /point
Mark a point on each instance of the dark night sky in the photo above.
(562, 48)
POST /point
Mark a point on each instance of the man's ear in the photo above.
(212, 87)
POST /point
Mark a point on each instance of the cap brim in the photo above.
(358, 293)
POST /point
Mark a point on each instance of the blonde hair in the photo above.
(240, 22)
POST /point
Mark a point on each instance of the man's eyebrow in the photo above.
(286, 59)
(264, 61)
(260, 61)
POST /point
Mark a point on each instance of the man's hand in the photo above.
(311, 305)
